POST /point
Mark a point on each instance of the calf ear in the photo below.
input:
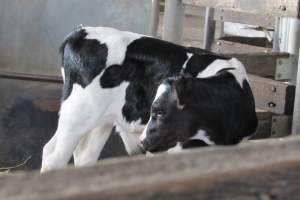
(178, 89)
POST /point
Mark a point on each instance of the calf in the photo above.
(216, 107)
(110, 80)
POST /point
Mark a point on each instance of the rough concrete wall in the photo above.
(32, 30)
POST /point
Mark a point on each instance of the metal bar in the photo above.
(209, 29)
(154, 18)
(296, 116)
(31, 77)
(173, 21)
(276, 39)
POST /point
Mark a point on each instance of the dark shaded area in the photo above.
(255, 41)
(28, 119)
(25, 129)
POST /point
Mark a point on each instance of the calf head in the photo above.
(171, 121)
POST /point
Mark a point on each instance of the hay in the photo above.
(6, 170)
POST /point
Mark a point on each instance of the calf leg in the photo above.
(88, 150)
(78, 116)
(130, 141)
(49, 147)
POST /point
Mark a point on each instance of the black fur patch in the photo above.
(83, 60)
(193, 144)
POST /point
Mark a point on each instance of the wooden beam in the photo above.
(264, 124)
(289, 8)
(262, 63)
(244, 18)
(274, 96)
(271, 125)
(228, 47)
(258, 63)
(254, 170)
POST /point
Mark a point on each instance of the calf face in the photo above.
(169, 122)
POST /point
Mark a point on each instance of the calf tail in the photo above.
(70, 59)
(72, 39)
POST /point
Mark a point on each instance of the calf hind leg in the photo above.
(88, 150)
(77, 117)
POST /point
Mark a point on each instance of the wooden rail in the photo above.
(31, 77)
(270, 95)
(265, 169)
(289, 8)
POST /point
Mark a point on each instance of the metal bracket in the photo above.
(286, 68)
(281, 125)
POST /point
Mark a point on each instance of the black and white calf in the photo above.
(216, 107)
(110, 80)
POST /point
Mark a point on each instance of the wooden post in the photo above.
(173, 21)
(209, 29)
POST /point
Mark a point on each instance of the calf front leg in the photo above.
(49, 147)
(130, 138)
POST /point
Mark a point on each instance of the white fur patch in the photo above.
(115, 40)
(189, 55)
(175, 149)
(160, 91)
(144, 135)
(238, 72)
(63, 73)
(201, 135)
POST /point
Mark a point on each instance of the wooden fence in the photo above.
(258, 170)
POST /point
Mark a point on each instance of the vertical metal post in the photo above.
(290, 43)
(289, 35)
(209, 29)
(276, 37)
(296, 115)
(173, 21)
(154, 17)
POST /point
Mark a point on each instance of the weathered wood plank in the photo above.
(228, 47)
(259, 63)
(247, 171)
(262, 64)
(271, 125)
(244, 18)
(274, 96)
(278, 8)
(264, 124)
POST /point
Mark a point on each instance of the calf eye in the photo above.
(159, 113)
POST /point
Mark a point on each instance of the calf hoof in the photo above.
(136, 151)
(44, 169)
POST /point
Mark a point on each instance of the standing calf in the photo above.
(110, 80)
